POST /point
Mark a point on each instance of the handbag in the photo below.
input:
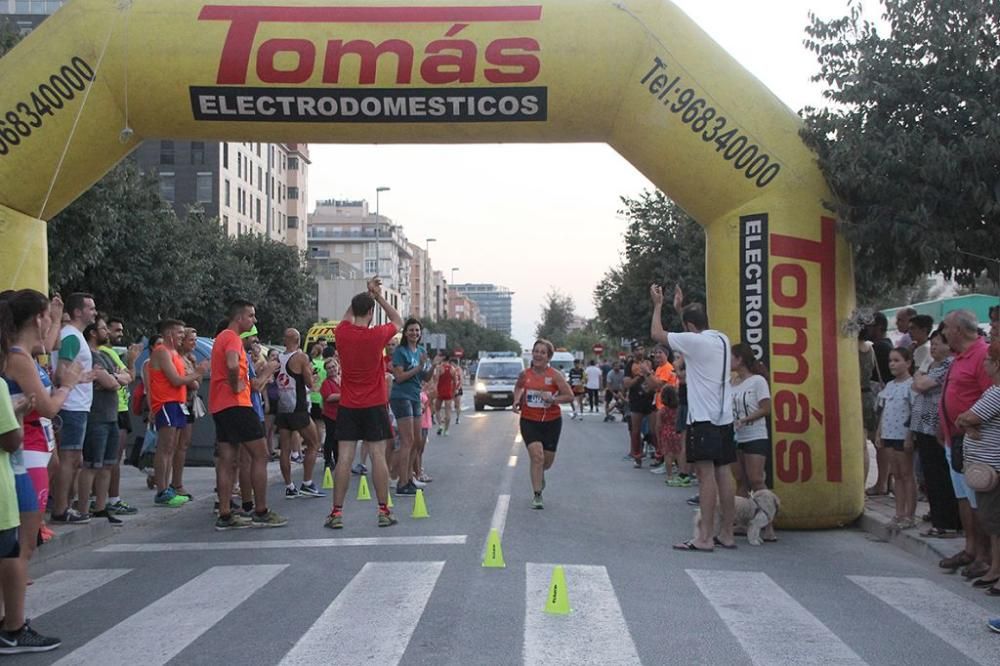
(980, 477)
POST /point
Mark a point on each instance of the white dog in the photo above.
(753, 513)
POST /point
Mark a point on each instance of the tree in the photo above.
(123, 243)
(584, 339)
(472, 338)
(663, 245)
(909, 141)
(557, 316)
(9, 35)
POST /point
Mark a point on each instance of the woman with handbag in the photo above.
(981, 457)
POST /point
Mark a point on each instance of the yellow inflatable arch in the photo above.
(100, 76)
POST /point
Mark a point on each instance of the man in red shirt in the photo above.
(236, 423)
(966, 381)
(363, 412)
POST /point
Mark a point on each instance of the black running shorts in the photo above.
(707, 442)
(369, 424)
(546, 432)
(237, 425)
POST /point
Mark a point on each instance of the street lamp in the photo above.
(378, 190)
(453, 275)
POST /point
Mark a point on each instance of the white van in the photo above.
(562, 361)
(494, 384)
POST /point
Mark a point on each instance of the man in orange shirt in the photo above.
(168, 386)
(236, 423)
(663, 375)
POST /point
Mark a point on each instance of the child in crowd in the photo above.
(669, 438)
(894, 435)
(684, 479)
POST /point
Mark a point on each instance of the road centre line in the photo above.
(512, 461)
(447, 540)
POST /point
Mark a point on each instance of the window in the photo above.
(167, 186)
(225, 155)
(338, 249)
(370, 249)
(293, 193)
(197, 152)
(260, 179)
(355, 249)
(239, 165)
(370, 266)
(166, 152)
(227, 193)
(225, 223)
(203, 189)
(249, 170)
(293, 164)
(293, 223)
(258, 211)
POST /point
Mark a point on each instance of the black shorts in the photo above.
(757, 447)
(707, 442)
(272, 407)
(369, 424)
(10, 547)
(316, 412)
(894, 444)
(546, 432)
(125, 421)
(295, 421)
(237, 425)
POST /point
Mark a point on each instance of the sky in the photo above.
(487, 204)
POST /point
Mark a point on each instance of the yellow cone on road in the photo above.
(419, 507)
(327, 479)
(388, 496)
(494, 553)
(557, 602)
(363, 493)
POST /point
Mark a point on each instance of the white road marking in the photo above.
(518, 439)
(499, 516)
(512, 461)
(772, 627)
(447, 540)
(594, 632)
(160, 631)
(61, 587)
(954, 619)
(372, 619)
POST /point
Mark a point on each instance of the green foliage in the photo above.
(557, 315)
(584, 339)
(472, 338)
(9, 35)
(122, 243)
(909, 140)
(663, 245)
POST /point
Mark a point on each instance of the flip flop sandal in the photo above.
(937, 533)
(985, 582)
(871, 492)
(771, 540)
(993, 592)
(719, 543)
(974, 572)
(689, 546)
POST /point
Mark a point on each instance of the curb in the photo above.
(70, 538)
(928, 549)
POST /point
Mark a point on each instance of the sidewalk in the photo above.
(199, 481)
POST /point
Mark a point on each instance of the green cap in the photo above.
(249, 334)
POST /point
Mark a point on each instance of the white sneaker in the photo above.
(418, 483)
(662, 469)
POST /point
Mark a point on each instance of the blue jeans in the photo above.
(73, 431)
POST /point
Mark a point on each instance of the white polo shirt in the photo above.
(708, 364)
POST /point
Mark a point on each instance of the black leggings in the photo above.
(593, 396)
(330, 443)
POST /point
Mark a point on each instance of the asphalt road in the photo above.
(181, 593)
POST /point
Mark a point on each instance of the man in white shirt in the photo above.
(711, 446)
(594, 376)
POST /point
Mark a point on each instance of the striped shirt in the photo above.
(925, 405)
(986, 448)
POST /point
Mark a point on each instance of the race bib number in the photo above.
(535, 398)
(184, 409)
(50, 434)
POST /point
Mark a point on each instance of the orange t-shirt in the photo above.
(161, 391)
(536, 386)
(665, 373)
(220, 394)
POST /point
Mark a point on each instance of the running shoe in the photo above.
(310, 491)
(637, 463)
(440, 430)
(994, 624)
(673, 482)
(536, 501)
(185, 493)
(26, 640)
(409, 490)
(269, 519)
(233, 506)
(423, 478)
(122, 508)
(109, 516)
(296, 458)
(167, 498)
(335, 521)
(686, 482)
(418, 483)
(232, 522)
(658, 469)
(292, 493)
(359, 469)
(71, 517)
(657, 462)
(445, 433)
(694, 500)
(386, 519)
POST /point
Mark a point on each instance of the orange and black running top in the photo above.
(539, 389)
(161, 391)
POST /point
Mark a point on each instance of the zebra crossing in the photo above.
(389, 600)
